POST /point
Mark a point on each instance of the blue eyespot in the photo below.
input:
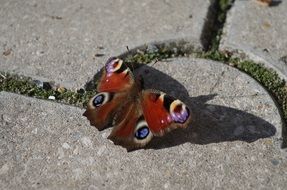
(142, 133)
(102, 98)
(98, 101)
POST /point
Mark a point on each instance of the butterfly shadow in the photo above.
(275, 3)
(211, 123)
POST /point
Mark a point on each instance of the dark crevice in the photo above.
(208, 30)
(214, 24)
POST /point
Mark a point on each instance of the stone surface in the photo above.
(233, 142)
(259, 32)
(67, 41)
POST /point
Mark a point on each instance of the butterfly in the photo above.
(136, 114)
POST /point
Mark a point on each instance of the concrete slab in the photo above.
(233, 142)
(67, 41)
(259, 33)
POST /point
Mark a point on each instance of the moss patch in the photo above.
(26, 86)
(221, 6)
(159, 51)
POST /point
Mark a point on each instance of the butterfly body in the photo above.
(136, 114)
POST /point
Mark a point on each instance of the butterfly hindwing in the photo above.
(164, 112)
(130, 128)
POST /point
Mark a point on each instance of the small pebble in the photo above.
(52, 98)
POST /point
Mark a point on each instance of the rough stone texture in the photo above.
(233, 142)
(69, 40)
(259, 32)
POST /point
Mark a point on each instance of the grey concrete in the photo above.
(67, 41)
(259, 33)
(233, 142)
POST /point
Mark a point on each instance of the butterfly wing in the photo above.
(153, 114)
(130, 127)
(113, 89)
(116, 77)
(164, 112)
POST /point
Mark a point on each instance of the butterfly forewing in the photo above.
(102, 108)
(116, 77)
(113, 89)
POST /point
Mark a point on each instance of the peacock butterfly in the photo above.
(136, 114)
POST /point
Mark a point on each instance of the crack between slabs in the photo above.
(218, 81)
(244, 96)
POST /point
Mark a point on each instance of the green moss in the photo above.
(26, 86)
(224, 6)
(221, 6)
(159, 52)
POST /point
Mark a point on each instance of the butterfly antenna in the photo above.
(131, 65)
(155, 61)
